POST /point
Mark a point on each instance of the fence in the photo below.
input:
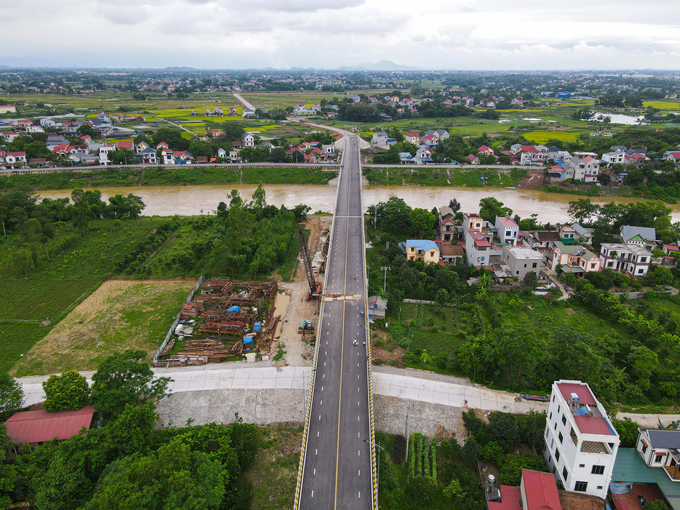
(174, 324)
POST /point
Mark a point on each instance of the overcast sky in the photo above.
(439, 34)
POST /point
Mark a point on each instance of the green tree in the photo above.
(123, 379)
(11, 395)
(511, 470)
(174, 477)
(627, 430)
(470, 452)
(530, 281)
(453, 489)
(422, 221)
(643, 363)
(442, 297)
(132, 432)
(66, 392)
(490, 208)
(503, 429)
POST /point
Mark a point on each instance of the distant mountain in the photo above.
(383, 65)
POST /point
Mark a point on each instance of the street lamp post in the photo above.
(385, 269)
(381, 449)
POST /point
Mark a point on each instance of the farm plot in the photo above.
(37, 300)
(119, 315)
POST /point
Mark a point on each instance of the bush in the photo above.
(472, 423)
(471, 452)
(412, 458)
(511, 471)
(503, 430)
(66, 392)
(493, 452)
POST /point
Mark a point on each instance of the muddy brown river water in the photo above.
(191, 200)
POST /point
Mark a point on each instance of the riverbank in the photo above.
(168, 176)
(449, 177)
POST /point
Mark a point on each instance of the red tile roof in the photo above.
(124, 145)
(508, 222)
(39, 426)
(541, 491)
(584, 394)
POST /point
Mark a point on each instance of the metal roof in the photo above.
(664, 438)
(541, 491)
(39, 426)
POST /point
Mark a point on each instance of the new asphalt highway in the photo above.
(337, 467)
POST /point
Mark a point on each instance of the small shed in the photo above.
(35, 427)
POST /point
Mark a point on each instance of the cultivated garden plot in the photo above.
(120, 315)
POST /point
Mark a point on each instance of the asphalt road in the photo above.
(337, 470)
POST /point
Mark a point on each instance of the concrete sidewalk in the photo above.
(406, 384)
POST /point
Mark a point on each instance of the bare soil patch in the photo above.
(533, 177)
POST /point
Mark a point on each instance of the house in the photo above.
(124, 145)
(35, 129)
(567, 234)
(625, 258)
(429, 140)
(440, 134)
(611, 158)
(507, 230)
(673, 156)
(452, 253)
(104, 154)
(15, 159)
(328, 150)
(660, 449)
(424, 250)
(10, 136)
(377, 307)
(573, 259)
(141, 146)
(472, 159)
(472, 221)
(669, 249)
(36, 427)
(447, 224)
(221, 153)
(24, 123)
(234, 156)
(583, 235)
(580, 441)
(7, 108)
(248, 140)
(477, 249)
(642, 236)
(161, 146)
(521, 260)
(632, 476)
(412, 138)
(249, 113)
(167, 157)
(424, 154)
(379, 138)
(586, 169)
(485, 150)
(149, 156)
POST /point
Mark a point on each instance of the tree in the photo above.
(530, 281)
(628, 432)
(583, 210)
(422, 221)
(511, 470)
(66, 392)
(453, 489)
(122, 157)
(490, 208)
(174, 477)
(470, 452)
(454, 205)
(503, 429)
(125, 379)
(643, 363)
(132, 431)
(11, 395)
(394, 217)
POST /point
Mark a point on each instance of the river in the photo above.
(192, 200)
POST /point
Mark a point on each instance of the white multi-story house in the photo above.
(586, 169)
(625, 258)
(507, 230)
(641, 236)
(522, 260)
(580, 442)
(574, 258)
(379, 138)
(477, 249)
(248, 140)
(611, 158)
(471, 221)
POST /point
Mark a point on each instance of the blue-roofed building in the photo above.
(422, 249)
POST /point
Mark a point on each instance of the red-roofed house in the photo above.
(477, 249)
(9, 136)
(429, 140)
(669, 249)
(162, 146)
(539, 491)
(7, 108)
(486, 150)
(124, 145)
(581, 443)
(413, 138)
(15, 159)
(472, 159)
(85, 139)
(35, 427)
(24, 123)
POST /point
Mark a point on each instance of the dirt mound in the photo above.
(534, 177)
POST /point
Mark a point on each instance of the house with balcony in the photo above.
(447, 224)
(660, 449)
(507, 230)
(580, 442)
(477, 249)
(583, 235)
(541, 239)
(625, 258)
(573, 259)
(422, 249)
(567, 234)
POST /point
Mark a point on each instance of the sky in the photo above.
(435, 34)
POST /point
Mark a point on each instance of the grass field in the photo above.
(542, 137)
(666, 104)
(120, 315)
(39, 299)
(17, 338)
(274, 471)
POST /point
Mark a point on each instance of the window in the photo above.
(555, 425)
(580, 486)
(640, 271)
(581, 465)
(552, 442)
(553, 399)
(644, 448)
(658, 458)
(599, 487)
(564, 420)
(550, 417)
(597, 470)
(560, 437)
(565, 475)
(557, 455)
(482, 259)
(516, 272)
(525, 265)
(533, 265)
(643, 259)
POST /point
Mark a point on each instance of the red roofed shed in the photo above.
(540, 491)
(41, 426)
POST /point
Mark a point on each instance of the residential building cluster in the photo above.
(503, 248)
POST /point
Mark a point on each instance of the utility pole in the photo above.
(385, 269)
